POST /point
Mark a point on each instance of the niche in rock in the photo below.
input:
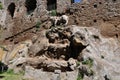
(95, 5)
(30, 5)
(51, 5)
(11, 9)
(76, 48)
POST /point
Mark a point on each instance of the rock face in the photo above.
(60, 7)
(64, 51)
(35, 74)
(103, 51)
(97, 57)
(30, 42)
(17, 55)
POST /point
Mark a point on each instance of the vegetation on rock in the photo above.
(10, 75)
(1, 6)
(88, 62)
(53, 13)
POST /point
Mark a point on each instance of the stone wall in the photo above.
(21, 19)
(94, 12)
(62, 5)
(104, 14)
(86, 13)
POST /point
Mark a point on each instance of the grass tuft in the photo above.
(53, 13)
(88, 62)
(38, 24)
(1, 6)
(10, 75)
(80, 76)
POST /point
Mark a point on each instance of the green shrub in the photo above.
(80, 76)
(10, 75)
(10, 71)
(88, 62)
(38, 24)
(91, 72)
(78, 63)
(53, 13)
(1, 7)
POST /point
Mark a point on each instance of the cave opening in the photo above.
(75, 49)
(30, 5)
(94, 20)
(11, 9)
(95, 5)
(51, 5)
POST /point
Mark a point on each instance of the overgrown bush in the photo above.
(10, 75)
(1, 7)
(88, 62)
(53, 13)
(78, 63)
(80, 76)
(38, 24)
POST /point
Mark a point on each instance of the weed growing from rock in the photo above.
(10, 75)
(1, 7)
(88, 62)
(80, 76)
(53, 13)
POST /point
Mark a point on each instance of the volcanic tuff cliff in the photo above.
(86, 49)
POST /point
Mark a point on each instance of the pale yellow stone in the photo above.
(1, 54)
(15, 51)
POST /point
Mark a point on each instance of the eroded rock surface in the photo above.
(92, 55)
(29, 42)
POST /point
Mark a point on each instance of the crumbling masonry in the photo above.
(18, 16)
